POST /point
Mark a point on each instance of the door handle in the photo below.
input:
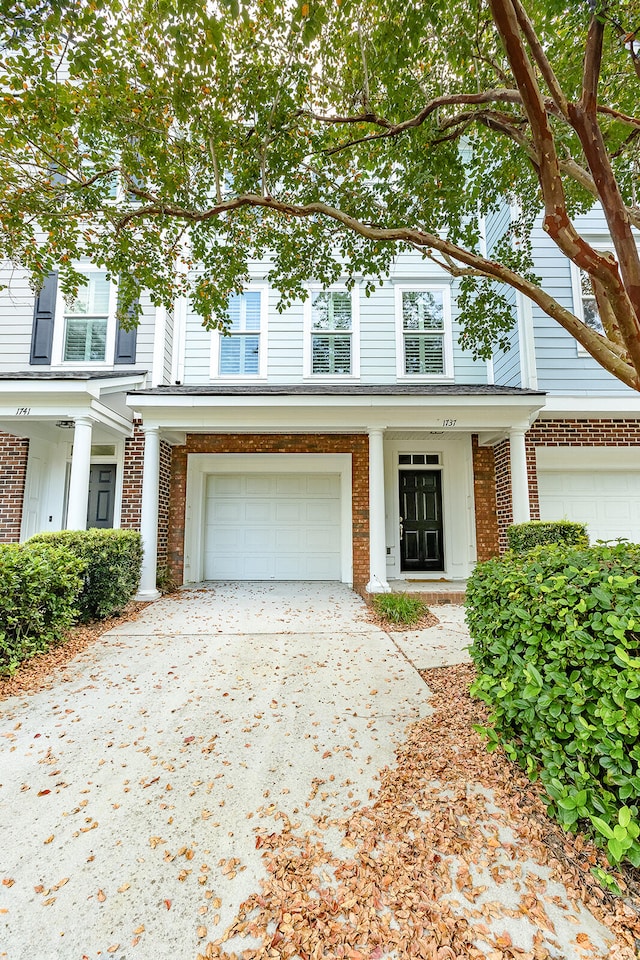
(401, 529)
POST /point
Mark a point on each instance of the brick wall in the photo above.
(14, 452)
(164, 496)
(132, 480)
(484, 492)
(504, 507)
(555, 433)
(355, 444)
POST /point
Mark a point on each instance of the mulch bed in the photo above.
(390, 626)
(42, 671)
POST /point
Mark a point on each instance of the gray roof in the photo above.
(72, 375)
(338, 390)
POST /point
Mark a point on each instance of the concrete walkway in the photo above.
(131, 792)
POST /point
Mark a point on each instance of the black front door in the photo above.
(102, 495)
(421, 540)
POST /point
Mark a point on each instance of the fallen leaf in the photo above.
(49, 839)
(202, 932)
(167, 904)
(139, 929)
(43, 793)
(101, 896)
(125, 886)
(8, 882)
(113, 948)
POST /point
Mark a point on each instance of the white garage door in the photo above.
(608, 501)
(272, 527)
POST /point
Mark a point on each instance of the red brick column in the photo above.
(354, 444)
(484, 493)
(132, 480)
(14, 453)
(504, 507)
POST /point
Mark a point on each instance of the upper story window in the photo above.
(590, 312)
(332, 334)
(242, 351)
(423, 332)
(584, 304)
(86, 321)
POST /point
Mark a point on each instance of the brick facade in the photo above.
(14, 452)
(132, 480)
(355, 444)
(164, 497)
(484, 492)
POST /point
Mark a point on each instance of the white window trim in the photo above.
(601, 245)
(57, 348)
(355, 335)
(216, 337)
(447, 375)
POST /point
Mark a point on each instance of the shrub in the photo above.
(522, 537)
(39, 586)
(556, 641)
(112, 561)
(399, 607)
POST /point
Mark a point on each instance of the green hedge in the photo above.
(39, 586)
(556, 641)
(112, 560)
(523, 537)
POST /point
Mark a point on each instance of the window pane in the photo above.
(252, 307)
(240, 354)
(85, 340)
(234, 311)
(423, 310)
(331, 354)
(424, 354)
(92, 299)
(331, 310)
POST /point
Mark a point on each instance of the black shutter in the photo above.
(43, 319)
(126, 343)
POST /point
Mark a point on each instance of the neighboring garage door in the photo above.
(608, 501)
(272, 526)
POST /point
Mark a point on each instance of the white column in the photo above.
(79, 479)
(377, 527)
(149, 514)
(519, 477)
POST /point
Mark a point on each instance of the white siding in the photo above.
(16, 319)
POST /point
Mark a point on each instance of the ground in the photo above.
(268, 774)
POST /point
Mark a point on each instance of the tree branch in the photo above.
(608, 354)
(540, 58)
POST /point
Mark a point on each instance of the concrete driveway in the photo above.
(131, 791)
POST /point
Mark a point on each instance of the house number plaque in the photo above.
(23, 411)
(449, 423)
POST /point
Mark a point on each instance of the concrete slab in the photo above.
(268, 607)
(440, 646)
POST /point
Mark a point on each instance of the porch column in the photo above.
(377, 528)
(519, 476)
(149, 514)
(79, 480)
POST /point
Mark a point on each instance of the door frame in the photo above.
(458, 501)
(200, 465)
(117, 458)
(436, 469)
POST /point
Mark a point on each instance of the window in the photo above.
(332, 329)
(424, 348)
(331, 332)
(86, 320)
(85, 331)
(240, 352)
(590, 312)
